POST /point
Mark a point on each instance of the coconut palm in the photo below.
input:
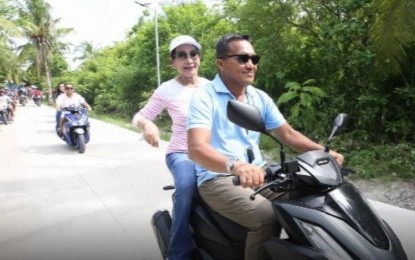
(42, 34)
(8, 29)
(393, 30)
(86, 50)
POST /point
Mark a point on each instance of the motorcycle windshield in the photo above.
(321, 166)
(359, 214)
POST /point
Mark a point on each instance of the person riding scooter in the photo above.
(6, 103)
(37, 95)
(222, 149)
(69, 98)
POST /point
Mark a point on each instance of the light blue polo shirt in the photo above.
(208, 110)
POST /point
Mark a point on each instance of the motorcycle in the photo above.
(76, 126)
(322, 215)
(37, 99)
(23, 100)
(4, 114)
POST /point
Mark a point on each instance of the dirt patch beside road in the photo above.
(397, 193)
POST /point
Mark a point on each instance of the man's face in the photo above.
(69, 90)
(238, 67)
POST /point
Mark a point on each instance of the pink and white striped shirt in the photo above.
(175, 97)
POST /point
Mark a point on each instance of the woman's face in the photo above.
(62, 87)
(186, 60)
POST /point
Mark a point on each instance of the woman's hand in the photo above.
(151, 133)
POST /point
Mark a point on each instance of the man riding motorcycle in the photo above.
(6, 102)
(69, 98)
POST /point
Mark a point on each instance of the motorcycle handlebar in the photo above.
(67, 109)
(271, 172)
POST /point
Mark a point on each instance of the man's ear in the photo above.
(219, 64)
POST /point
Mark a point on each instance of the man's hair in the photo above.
(223, 43)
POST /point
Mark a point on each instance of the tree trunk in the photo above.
(48, 81)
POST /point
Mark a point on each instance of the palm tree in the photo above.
(8, 29)
(393, 30)
(40, 29)
(86, 50)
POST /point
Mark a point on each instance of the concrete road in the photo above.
(58, 204)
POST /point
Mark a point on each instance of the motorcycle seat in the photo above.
(230, 229)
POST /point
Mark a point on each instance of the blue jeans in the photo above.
(184, 175)
(58, 118)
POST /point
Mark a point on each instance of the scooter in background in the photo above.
(76, 126)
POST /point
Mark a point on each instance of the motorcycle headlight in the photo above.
(322, 240)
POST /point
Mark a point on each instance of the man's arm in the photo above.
(87, 106)
(300, 142)
(202, 153)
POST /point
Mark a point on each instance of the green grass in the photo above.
(162, 123)
(119, 121)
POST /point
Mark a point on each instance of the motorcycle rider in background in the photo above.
(37, 94)
(6, 102)
(60, 89)
(222, 149)
(67, 99)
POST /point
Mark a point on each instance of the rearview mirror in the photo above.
(246, 116)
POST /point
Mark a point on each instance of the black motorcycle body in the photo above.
(322, 215)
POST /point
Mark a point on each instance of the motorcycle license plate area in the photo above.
(79, 131)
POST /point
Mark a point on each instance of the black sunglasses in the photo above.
(244, 58)
(181, 55)
(68, 88)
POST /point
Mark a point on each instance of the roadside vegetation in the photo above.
(318, 59)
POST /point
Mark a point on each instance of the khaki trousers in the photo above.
(233, 202)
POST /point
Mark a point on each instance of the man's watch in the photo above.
(229, 164)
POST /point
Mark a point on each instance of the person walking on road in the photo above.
(175, 95)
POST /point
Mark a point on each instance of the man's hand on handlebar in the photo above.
(249, 175)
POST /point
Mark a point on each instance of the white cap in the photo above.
(183, 39)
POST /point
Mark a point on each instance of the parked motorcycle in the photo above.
(322, 215)
(76, 125)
